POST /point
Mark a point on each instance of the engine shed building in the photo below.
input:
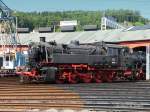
(136, 39)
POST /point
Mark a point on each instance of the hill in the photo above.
(41, 19)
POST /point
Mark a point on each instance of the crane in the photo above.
(8, 37)
(5, 11)
(105, 21)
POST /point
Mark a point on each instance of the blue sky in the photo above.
(61, 5)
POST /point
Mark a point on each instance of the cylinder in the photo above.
(42, 39)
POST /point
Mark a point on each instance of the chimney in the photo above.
(42, 39)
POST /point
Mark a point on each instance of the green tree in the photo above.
(40, 19)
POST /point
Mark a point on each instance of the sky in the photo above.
(66, 5)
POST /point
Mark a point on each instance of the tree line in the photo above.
(35, 20)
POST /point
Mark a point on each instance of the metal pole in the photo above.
(54, 28)
(16, 31)
(148, 62)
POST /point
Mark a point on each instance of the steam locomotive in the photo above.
(74, 63)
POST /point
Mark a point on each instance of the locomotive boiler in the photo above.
(74, 63)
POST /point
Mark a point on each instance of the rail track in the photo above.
(106, 97)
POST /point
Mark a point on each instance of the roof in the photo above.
(67, 28)
(45, 29)
(90, 27)
(87, 36)
(134, 28)
(23, 30)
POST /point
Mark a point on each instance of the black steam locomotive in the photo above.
(75, 63)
